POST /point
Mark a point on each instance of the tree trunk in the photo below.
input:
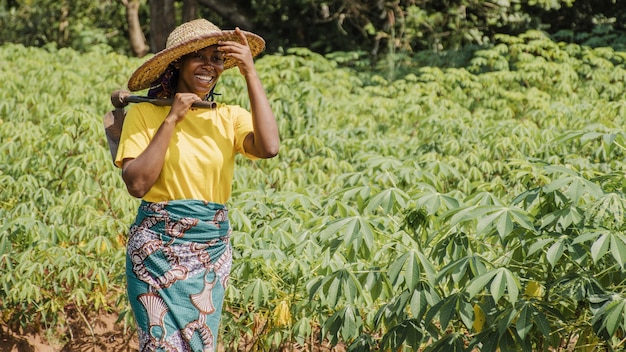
(136, 37)
(162, 22)
(190, 10)
(230, 12)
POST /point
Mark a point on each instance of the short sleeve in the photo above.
(242, 120)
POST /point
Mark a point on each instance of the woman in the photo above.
(180, 161)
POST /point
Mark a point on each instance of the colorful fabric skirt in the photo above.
(178, 262)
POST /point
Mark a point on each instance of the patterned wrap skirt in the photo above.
(178, 262)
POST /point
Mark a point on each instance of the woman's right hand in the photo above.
(141, 173)
(181, 105)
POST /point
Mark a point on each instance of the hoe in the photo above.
(113, 120)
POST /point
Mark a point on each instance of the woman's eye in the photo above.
(212, 58)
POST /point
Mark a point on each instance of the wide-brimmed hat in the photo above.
(188, 37)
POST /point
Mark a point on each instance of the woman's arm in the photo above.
(140, 174)
(264, 141)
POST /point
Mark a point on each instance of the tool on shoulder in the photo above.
(114, 120)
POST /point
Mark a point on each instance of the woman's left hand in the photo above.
(240, 52)
(264, 141)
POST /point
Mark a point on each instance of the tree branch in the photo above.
(229, 11)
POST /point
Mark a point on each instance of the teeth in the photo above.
(205, 78)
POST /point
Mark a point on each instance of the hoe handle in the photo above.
(120, 99)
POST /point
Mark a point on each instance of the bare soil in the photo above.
(106, 337)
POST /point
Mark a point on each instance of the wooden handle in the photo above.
(120, 99)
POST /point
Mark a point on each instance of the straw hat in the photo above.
(184, 39)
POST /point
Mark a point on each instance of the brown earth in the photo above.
(106, 337)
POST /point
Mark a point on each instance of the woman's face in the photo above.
(200, 70)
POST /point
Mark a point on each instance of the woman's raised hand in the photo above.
(240, 52)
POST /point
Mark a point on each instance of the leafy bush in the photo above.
(450, 209)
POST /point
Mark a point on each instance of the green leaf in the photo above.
(504, 219)
(447, 311)
(428, 268)
(501, 280)
(466, 312)
(350, 327)
(407, 268)
(333, 292)
(512, 285)
(618, 248)
(554, 253)
(600, 247)
(387, 200)
(419, 302)
(612, 316)
(412, 271)
(498, 285)
(539, 245)
(480, 282)
(433, 201)
(258, 292)
(541, 321)
(396, 268)
(524, 321)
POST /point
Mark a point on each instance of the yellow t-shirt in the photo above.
(200, 160)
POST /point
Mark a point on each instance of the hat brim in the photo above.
(154, 67)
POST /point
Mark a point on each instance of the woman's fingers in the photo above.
(239, 51)
(236, 49)
(242, 37)
(182, 103)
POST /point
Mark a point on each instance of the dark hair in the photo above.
(165, 86)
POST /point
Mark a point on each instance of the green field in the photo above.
(479, 206)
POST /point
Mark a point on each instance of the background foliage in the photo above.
(324, 26)
(448, 209)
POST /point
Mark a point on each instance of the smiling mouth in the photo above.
(206, 79)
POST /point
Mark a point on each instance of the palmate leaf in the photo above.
(339, 284)
(503, 218)
(501, 279)
(388, 200)
(463, 269)
(409, 267)
(407, 332)
(611, 316)
(483, 198)
(530, 316)
(423, 296)
(393, 311)
(607, 212)
(355, 233)
(572, 184)
(374, 282)
(457, 305)
(257, 291)
(615, 243)
(562, 219)
(405, 268)
(433, 201)
(605, 242)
